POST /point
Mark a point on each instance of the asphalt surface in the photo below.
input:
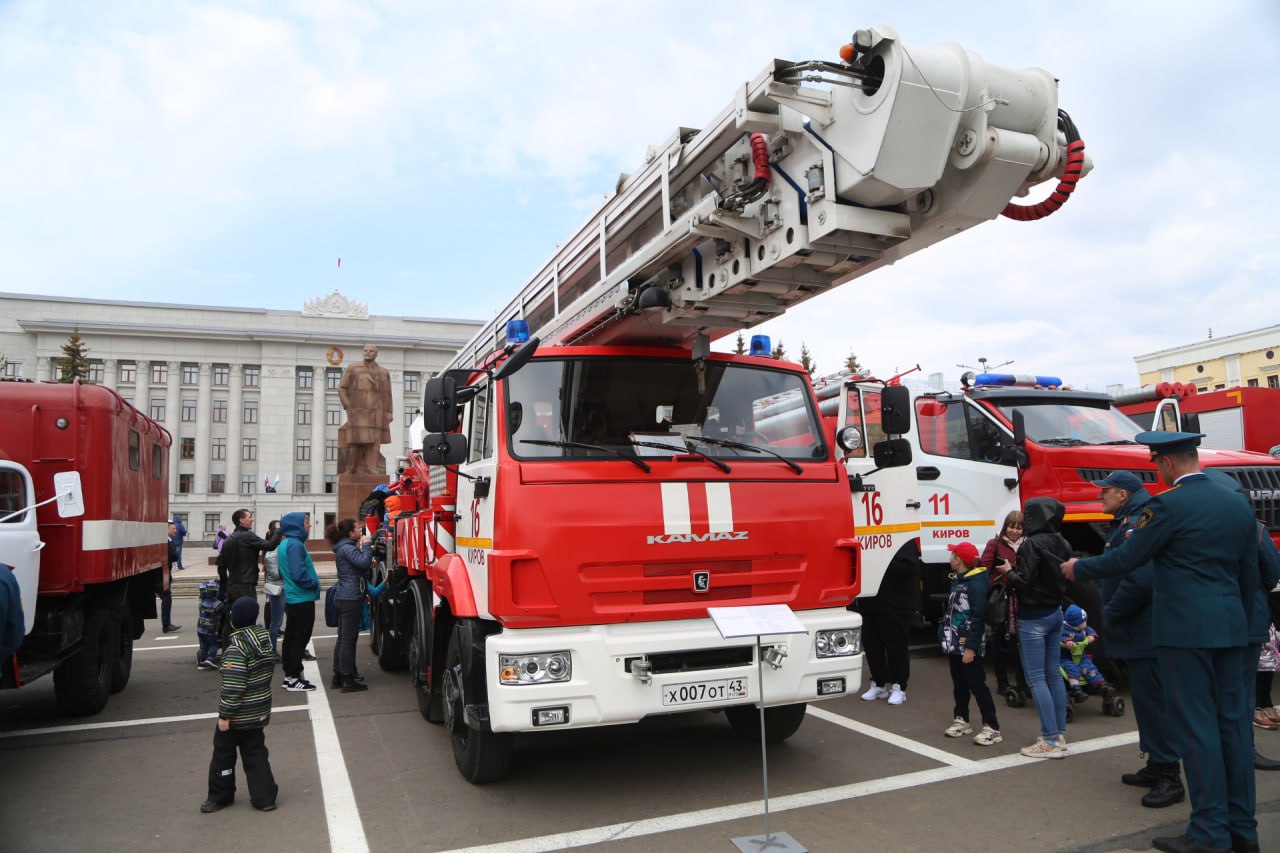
(364, 771)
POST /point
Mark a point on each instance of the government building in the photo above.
(249, 395)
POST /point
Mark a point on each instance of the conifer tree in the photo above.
(806, 360)
(741, 347)
(74, 363)
(851, 363)
(779, 351)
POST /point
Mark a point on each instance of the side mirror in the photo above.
(1019, 430)
(66, 484)
(516, 360)
(892, 452)
(440, 405)
(444, 449)
(515, 416)
(1191, 422)
(895, 410)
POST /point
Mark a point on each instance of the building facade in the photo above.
(249, 395)
(1249, 359)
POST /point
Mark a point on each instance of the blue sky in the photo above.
(231, 152)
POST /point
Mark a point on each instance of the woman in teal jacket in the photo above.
(301, 591)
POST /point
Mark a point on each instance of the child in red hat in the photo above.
(962, 633)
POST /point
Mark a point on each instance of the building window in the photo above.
(190, 374)
(410, 412)
(1253, 383)
(302, 452)
(331, 450)
(211, 521)
(411, 383)
(219, 446)
(188, 411)
(157, 408)
(97, 372)
(217, 484)
(185, 482)
(304, 413)
(333, 414)
(302, 484)
(13, 370)
(222, 374)
(182, 517)
(187, 449)
(219, 411)
(332, 379)
(330, 484)
(1273, 381)
(306, 377)
(251, 411)
(252, 375)
(249, 450)
(246, 483)
(128, 372)
(159, 373)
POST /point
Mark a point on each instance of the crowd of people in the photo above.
(1185, 579)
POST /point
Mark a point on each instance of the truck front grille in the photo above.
(1262, 484)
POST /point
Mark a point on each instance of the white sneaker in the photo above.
(896, 695)
(959, 726)
(988, 736)
(874, 692)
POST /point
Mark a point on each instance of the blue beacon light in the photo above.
(761, 345)
(1008, 379)
(517, 331)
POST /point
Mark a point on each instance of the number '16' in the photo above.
(871, 503)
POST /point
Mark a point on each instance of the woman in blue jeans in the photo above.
(1041, 588)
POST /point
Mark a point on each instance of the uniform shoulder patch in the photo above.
(1144, 517)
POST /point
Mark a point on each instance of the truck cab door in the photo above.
(886, 512)
(966, 475)
(476, 491)
(20, 542)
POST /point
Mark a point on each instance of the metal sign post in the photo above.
(758, 621)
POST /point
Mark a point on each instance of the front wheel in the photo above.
(82, 684)
(481, 755)
(123, 667)
(780, 722)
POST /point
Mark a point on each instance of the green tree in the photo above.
(806, 360)
(851, 363)
(741, 347)
(74, 363)
(779, 351)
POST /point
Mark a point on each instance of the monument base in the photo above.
(353, 489)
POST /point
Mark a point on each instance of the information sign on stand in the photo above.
(757, 621)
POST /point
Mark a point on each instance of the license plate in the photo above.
(698, 692)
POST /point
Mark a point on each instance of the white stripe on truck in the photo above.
(107, 534)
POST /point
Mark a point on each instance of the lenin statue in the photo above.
(365, 392)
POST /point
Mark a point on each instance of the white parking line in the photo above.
(824, 796)
(118, 724)
(939, 755)
(346, 832)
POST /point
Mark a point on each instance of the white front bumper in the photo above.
(602, 692)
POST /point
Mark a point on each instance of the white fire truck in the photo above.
(583, 495)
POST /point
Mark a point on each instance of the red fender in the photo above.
(452, 583)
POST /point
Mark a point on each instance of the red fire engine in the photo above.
(1242, 418)
(84, 498)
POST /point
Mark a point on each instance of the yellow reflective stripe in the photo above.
(888, 528)
(1088, 516)
(958, 523)
(473, 542)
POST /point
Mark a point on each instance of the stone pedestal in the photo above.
(353, 489)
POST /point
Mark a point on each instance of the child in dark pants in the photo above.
(244, 709)
(962, 635)
(208, 626)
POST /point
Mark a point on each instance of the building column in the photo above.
(204, 421)
(172, 413)
(45, 368)
(398, 426)
(235, 422)
(318, 415)
(109, 373)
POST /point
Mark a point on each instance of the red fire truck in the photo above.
(84, 497)
(1243, 418)
(583, 495)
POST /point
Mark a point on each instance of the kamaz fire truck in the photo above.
(84, 498)
(1241, 418)
(584, 494)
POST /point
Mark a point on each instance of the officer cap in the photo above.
(1162, 443)
(1126, 480)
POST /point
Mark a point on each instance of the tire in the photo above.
(780, 722)
(82, 684)
(481, 755)
(392, 655)
(430, 703)
(124, 661)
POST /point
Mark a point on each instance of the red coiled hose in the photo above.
(760, 157)
(1070, 176)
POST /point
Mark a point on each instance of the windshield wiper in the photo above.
(688, 451)
(541, 442)
(738, 445)
(1117, 441)
(1069, 442)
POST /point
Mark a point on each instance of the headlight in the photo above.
(838, 642)
(543, 668)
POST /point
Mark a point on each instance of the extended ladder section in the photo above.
(815, 174)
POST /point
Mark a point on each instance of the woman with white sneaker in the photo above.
(886, 627)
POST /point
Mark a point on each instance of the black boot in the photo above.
(1168, 789)
(1260, 762)
(350, 685)
(1147, 777)
(336, 681)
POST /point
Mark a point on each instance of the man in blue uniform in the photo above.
(1201, 539)
(1126, 617)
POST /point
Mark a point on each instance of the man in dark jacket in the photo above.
(238, 562)
(1126, 615)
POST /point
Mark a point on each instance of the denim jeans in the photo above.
(276, 604)
(1039, 642)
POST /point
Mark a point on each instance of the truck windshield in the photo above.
(1067, 424)
(655, 409)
